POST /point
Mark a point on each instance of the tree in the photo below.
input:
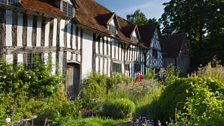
(138, 18)
(194, 17)
(202, 20)
(152, 20)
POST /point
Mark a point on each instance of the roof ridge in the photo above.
(101, 5)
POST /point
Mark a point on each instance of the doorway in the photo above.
(72, 79)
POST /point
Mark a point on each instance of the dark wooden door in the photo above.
(72, 79)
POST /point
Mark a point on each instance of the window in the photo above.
(116, 67)
(9, 2)
(29, 61)
(154, 53)
(67, 9)
(134, 39)
(30, 58)
(127, 67)
(112, 29)
(137, 67)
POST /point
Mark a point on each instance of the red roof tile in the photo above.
(96, 16)
(42, 6)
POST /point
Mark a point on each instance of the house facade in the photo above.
(151, 37)
(77, 36)
(176, 52)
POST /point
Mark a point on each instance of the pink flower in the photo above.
(45, 121)
(24, 120)
(8, 120)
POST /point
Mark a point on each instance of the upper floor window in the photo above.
(9, 2)
(112, 29)
(154, 53)
(67, 9)
(134, 39)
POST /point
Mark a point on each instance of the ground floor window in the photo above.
(137, 68)
(29, 59)
(116, 67)
(127, 67)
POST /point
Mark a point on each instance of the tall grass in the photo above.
(144, 95)
(148, 104)
(215, 71)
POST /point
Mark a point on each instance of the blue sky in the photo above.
(151, 8)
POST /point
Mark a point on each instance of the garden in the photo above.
(35, 97)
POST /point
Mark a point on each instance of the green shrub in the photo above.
(204, 106)
(148, 105)
(94, 89)
(177, 94)
(118, 108)
(32, 92)
(145, 96)
(174, 96)
(97, 87)
(150, 74)
(93, 121)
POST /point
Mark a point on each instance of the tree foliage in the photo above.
(139, 18)
(202, 20)
(195, 17)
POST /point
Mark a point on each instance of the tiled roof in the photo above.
(88, 13)
(126, 27)
(104, 18)
(95, 16)
(172, 44)
(147, 31)
(42, 6)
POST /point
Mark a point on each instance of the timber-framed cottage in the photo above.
(78, 36)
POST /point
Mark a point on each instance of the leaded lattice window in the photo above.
(10, 2)
(67, 9)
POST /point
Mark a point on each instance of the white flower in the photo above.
(34, 116)
(8, 120)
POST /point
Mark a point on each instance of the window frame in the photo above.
(112, 29)
(67, 9)
(137, 68)
(127, 67)
(10, 2)
(155, 53)
(116, 67)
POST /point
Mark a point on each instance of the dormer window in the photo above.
(112, 29)
(68, 9)
(134, 36)
(10, 2)
(134, 39)
(112, 24)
